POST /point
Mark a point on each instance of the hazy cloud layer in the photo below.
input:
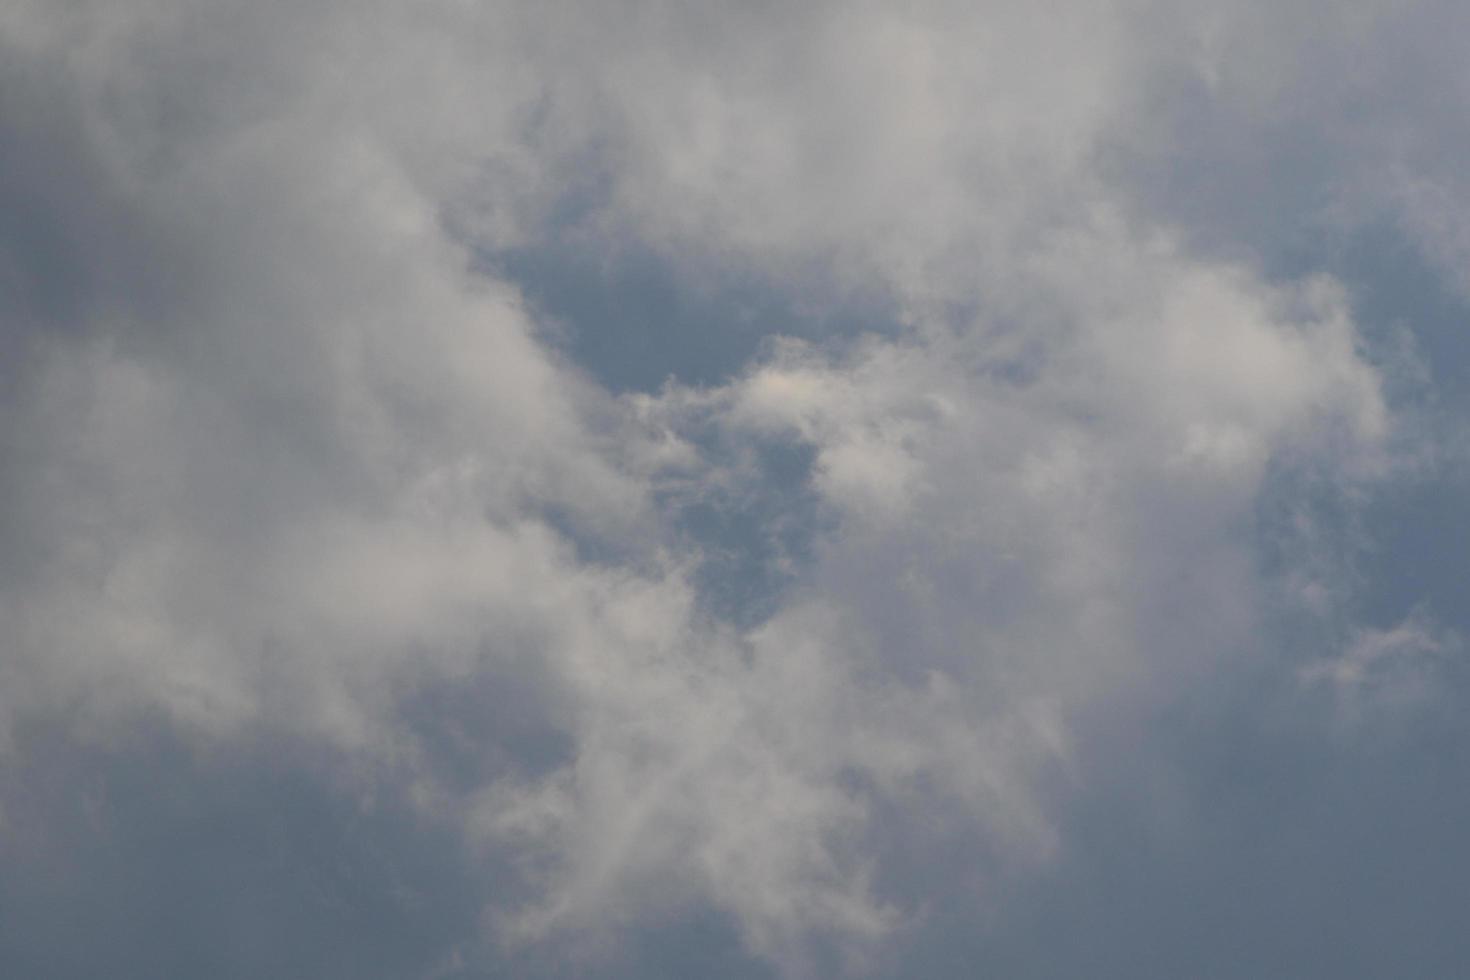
(536, 489)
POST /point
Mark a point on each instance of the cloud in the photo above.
(1387, 666)
(286, 454)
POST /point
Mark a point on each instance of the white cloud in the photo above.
(321, 463)
(1391, 667)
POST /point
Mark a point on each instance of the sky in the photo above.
(751, 490)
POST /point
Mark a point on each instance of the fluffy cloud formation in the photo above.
(286, 453)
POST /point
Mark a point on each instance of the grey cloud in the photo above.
(698, 488)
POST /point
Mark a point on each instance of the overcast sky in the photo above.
(671, 489)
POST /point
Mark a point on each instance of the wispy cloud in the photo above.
(807, 645)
